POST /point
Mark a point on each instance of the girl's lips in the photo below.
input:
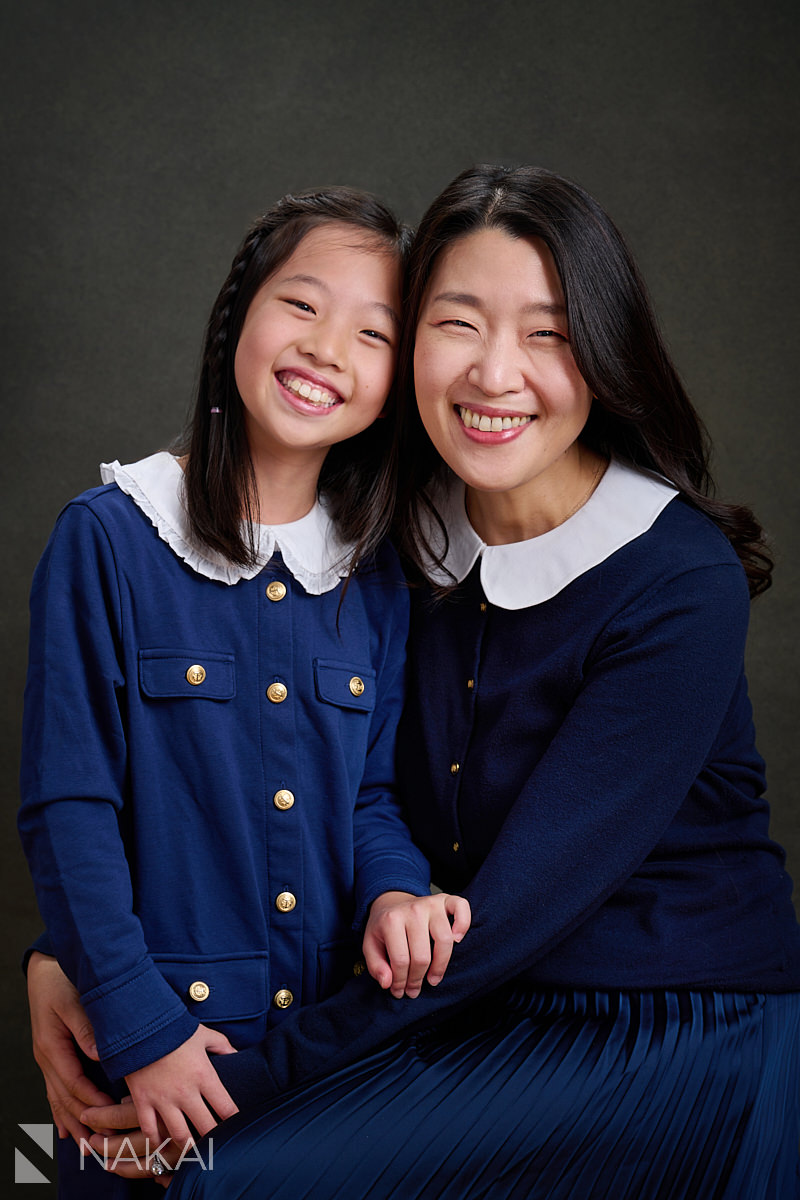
(492, 427)
(307, 393)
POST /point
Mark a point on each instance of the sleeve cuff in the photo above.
(152, 1018)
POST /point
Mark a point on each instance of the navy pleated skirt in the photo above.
(553, 1095)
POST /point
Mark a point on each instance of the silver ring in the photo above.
(158, 1166)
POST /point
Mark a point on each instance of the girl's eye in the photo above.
(301, 304)
(377, 336)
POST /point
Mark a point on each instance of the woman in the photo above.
(622, 1019)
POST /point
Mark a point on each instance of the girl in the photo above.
(624, 1019)
(208, 806)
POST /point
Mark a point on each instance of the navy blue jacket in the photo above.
(197, 847)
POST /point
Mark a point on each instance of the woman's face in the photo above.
(497, 386)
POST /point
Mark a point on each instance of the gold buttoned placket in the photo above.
(285, 902)
(283, 799)
(282, 998)
(277, 692)
(275, 590)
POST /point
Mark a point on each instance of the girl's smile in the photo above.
(317, 350)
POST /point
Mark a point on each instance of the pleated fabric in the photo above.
(553, 1095)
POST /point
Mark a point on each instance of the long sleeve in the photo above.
(73, 782)
(651, 699)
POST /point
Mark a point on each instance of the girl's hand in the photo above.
(397, 940)
(182, 1087)
(58, 1022)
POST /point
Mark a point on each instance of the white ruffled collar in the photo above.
(309, 547)
(623, 506)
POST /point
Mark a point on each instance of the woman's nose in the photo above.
(496, 369)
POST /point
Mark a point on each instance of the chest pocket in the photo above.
(198, 674)
(345, 685)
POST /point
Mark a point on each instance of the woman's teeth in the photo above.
(486, 424)
(318, 396)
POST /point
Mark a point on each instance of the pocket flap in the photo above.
(197, 673)
(218, 989)
(345, 685)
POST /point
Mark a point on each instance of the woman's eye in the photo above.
(458, 323)
(549, 333)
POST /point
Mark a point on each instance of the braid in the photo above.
(220, 485)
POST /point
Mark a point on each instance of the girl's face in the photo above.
(317, 350)
(498, 389)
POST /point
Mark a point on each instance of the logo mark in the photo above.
(24, 1170)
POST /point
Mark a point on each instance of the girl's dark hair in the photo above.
(641, 413)
(358, 476)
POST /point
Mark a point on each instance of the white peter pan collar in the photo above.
(309, 547)
(623, 506)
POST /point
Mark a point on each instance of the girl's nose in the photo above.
(326, 342)
(496, 369)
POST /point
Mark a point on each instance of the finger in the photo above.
(442, 936)
(397, 952)
(221, 1101)
(217, 1043)
(111, 1116)
(84, 1036)
(419, 944)
(461, 913)
(132, 1142)
(374, 957)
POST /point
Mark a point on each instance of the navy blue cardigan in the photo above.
(583, 770)
(161, 856)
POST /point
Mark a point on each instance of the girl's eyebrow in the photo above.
(320, 283)
(466, 298)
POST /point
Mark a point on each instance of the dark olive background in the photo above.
(140, 139)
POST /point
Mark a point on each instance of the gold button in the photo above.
(359, 968)
(277, 692)
(283, 998)
(285, 901)
(483, 606)
(356, 686)
(456, 847)
(199, 990)
(283, 799)
(196, 674)
(276, 590)
(470, 684)
(455, 768)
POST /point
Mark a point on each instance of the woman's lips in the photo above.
(492, 427)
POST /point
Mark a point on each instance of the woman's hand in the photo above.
(399, 933)
(125, 1149)
(58, 1022)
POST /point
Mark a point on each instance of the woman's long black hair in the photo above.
(358, 477)
(641, 413)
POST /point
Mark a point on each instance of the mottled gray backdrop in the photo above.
(139, 140)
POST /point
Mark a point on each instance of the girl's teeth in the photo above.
(506, 422)
(314, 395)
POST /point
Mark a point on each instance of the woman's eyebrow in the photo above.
(548, 308)
(320, 283)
